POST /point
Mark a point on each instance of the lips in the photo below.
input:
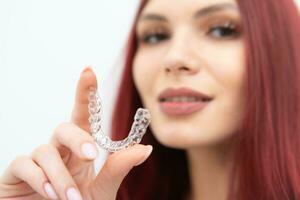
(182, 101)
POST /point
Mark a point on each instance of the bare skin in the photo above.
(195, 44)
(209, 169)
(63, 165)
(182, 49)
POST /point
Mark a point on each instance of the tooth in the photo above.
(192, 99)
(188, 99)
(176, 99)
(182, 99)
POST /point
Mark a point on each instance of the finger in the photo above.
(117, 167)
(23, 168)
(80, 142)
(80, 112)
(56, 172)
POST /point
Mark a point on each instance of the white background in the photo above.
(44, 45)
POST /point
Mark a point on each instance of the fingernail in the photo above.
(50, 191)
(73, 194)
(87, 68)
(89, 150)
(148, 152)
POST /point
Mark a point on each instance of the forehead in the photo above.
(181, 7)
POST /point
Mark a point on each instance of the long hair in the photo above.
(267, 154)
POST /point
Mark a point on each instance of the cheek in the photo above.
(228, 71)
(145, 73)
(139, 74)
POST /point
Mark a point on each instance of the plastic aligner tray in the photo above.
(138, 129)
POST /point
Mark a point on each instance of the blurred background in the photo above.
(44, 45)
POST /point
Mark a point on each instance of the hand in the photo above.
(64, 167)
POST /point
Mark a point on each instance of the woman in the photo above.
(221, 80)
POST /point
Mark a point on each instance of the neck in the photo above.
(209, 169)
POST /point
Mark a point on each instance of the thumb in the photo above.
(116, 167)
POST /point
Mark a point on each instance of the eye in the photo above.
(225, 31)
(153, 37)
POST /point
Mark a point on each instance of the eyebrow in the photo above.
(200, 13)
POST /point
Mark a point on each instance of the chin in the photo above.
(193, 130)
(186, 137)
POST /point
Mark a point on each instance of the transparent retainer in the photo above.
(138, 129)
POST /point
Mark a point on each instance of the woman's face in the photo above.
(191, 45)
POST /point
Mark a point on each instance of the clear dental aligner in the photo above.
(138, 129)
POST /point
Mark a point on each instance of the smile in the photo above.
(182, 101)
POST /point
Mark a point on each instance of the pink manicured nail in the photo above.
(50, 191)
(87, 68)
(73, 194)
(89, 150)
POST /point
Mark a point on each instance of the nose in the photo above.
(180, 56)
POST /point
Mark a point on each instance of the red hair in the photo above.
(267, 148)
